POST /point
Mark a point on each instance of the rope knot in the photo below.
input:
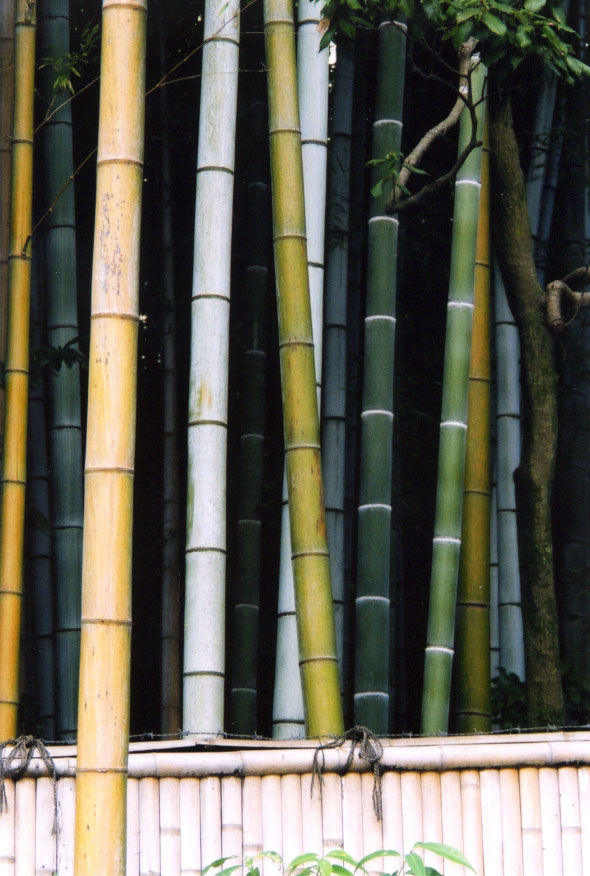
(370, 749)
(13, 766)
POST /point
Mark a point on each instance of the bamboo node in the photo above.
(14, 765)
(370, 749)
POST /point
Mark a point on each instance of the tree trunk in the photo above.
(534, 477)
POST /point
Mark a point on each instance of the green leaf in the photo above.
(341, 855)
(218, 863)
(415, 864)
(493, 23)
(445, 851)
(325, 867)
(380, 853)
(534, 5)
(377, 189)
(305, 858)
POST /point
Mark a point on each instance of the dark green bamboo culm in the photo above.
(311, 567)
(453, 429)
(372, 606)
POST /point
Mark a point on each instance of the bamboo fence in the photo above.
(516, 805)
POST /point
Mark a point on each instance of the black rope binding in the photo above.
(370, 749)
(14, 765)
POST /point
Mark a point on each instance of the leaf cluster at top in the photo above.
(506, 32)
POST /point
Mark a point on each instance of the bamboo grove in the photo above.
(269, 359)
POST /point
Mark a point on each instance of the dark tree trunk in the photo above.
(534, 477)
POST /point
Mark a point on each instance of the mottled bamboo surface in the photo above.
(516, 805)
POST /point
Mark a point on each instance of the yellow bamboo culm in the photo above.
(473, 599)
(17, 370)
(103, 707)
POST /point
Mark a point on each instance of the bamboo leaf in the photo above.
(415, 864)
(446, 851)
(380, 853)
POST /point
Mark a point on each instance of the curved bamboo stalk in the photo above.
(453, 428)
(312, 87)
(372, 605)
(64, 425)
(473, 597)
(335, 330)
(7, 11)
(17, 370)
(311, 569)
(103, 715)
(204, 641)
(171, 690)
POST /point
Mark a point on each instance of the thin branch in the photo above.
(413, 159)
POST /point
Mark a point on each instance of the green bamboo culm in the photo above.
(473, 598)
(311, 566)
(453, 429)
(371, 698)
(64, 422)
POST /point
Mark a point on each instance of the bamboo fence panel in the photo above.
(66, 802)
(372, 826)
(332, 812)
(291, 816)
(272, 828)
(452, 817)
(252, 809)
(210, 793)
(170, 827)
(149, 827)
(132, 865)
(550, 821)
(432, 816)
(491, 811)
(24, 827)
(584, 792)
(411, 810)
(511, 823)
(530, 815)
(352, 823)
(45, 847)
(393, 837)
(472, 820)
(231, 816)
(190, 819)
(571, 839)
(7, 832)
(311, 812)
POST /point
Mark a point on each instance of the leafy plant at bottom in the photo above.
(340, 863)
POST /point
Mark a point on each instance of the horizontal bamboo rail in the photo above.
(183, 758)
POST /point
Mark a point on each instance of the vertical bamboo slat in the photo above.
(332, 812)
(170, 827)
(393, 837)
(103, 714)
(511, 823)
(352, 824)
(45, 839)
(491, 816)
(550, 821)
(17, 370)
(571, 840)
(7, 832)
(530, 817)
(472, 819)
(411, 810)
(24, 827)
(132, 856)
(584, 792)
(372, 826)
(452, 818)
(231, 816)
(252, 809)
(272, 826)
(210, 809)
(190, 827)
(313, 837)
(149, 827)
(431, 816)
(291, 816)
